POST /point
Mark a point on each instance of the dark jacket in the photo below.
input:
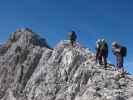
(101, 51)
(72, 36)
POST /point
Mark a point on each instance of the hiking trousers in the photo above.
(72, 41)
(119, 61)
(102, 58)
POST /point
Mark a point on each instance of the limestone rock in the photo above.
(31, 70)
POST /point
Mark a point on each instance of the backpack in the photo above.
(103, 46)
(123, 51)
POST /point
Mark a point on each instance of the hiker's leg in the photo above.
(100, 59)
(97, 55)
(105, 60)
(121, 64)
(121, 69)
(119, 61)
(72, 42)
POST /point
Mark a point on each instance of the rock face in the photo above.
(31, 70)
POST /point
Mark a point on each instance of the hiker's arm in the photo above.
(115, 50)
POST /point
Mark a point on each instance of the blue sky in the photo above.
(91, 19)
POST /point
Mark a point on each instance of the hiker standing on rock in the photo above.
(120, 52)
(72, 37)
(101, 52)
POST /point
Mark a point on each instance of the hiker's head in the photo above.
(115, 44)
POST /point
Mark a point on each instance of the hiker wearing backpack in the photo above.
(101, 52)
(72, 37)
(120, 52)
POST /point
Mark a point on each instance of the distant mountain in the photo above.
(31, 70)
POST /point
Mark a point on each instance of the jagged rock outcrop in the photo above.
(31, 70)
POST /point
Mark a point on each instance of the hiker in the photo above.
(120, 52)
(101, 52)
(72, 37)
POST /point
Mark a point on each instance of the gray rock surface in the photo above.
(31, 70)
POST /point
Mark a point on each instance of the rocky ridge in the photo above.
(31, 70)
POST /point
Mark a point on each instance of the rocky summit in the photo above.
(31, 70)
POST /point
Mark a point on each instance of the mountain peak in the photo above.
(27, 36)
(23, 38)
(31, 71)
